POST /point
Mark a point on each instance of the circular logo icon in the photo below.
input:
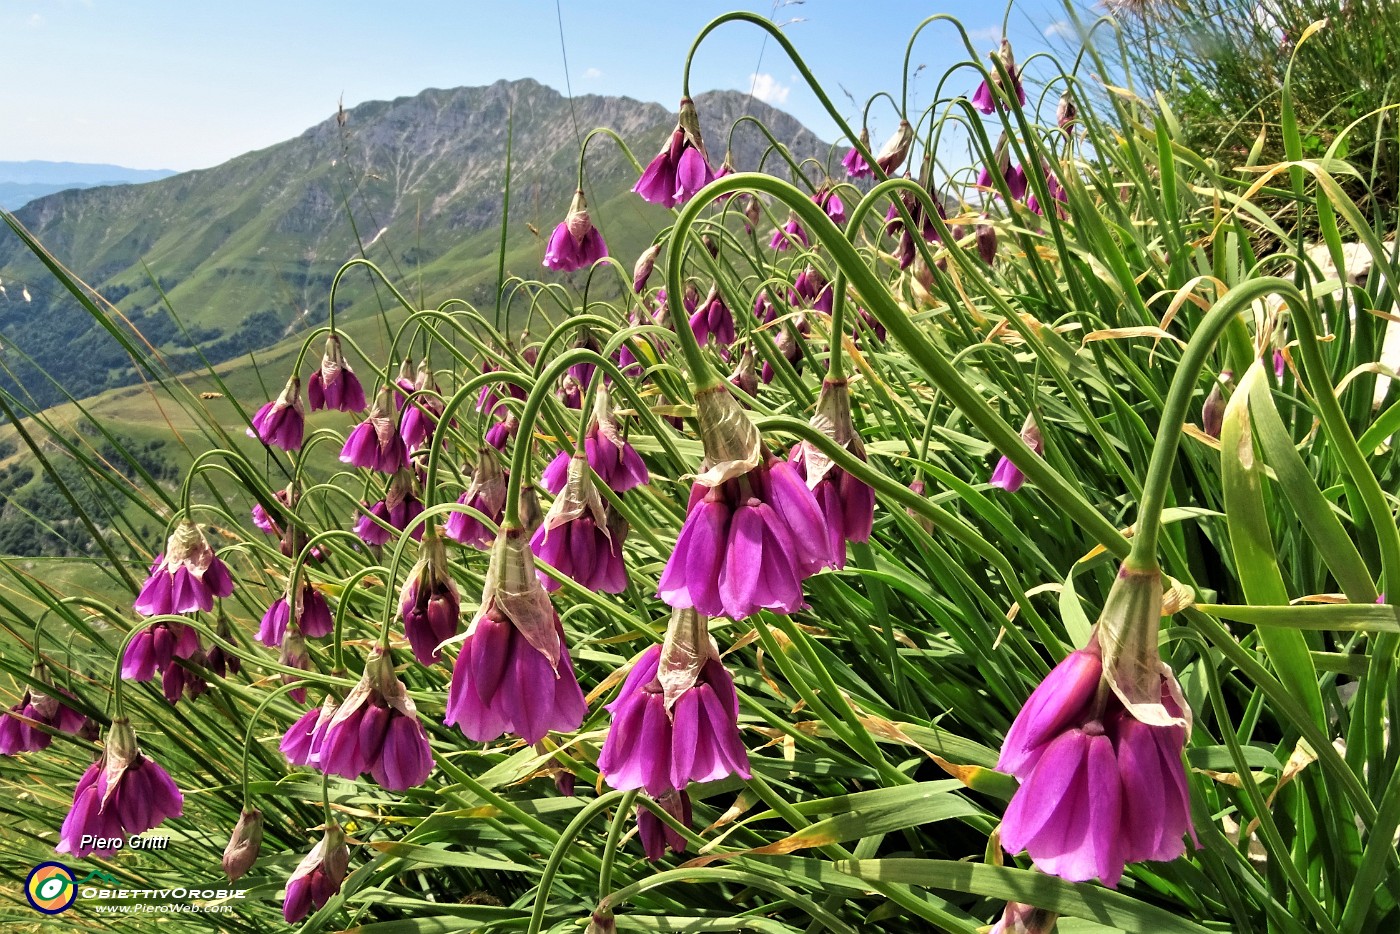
(50, 888)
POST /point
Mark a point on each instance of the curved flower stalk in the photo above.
(609, 454)
(335, 386)
(983, 98)
(575, 243)
(676, 719)
(753, 531)
(282, 421)
(847, 503)
(1098, 749)
(186, 577)
(376, 730)
(318, 876)
(487, 495)
(1006, 475)
(513, 673)
(580, 537)
(123, 793)
(375, 443)
(682, 167)
(20, 725)
(429, 604)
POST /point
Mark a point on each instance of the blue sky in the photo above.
(186, 84)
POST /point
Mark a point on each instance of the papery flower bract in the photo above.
(376, 730)
(317, 877)
(575, 243)
(154, 648)
(847, 503)
(655, 834)
(1213, 409)
(375, 443)
(1006, 475)
(121, 794)
(429, 604)
(335, 386)
(676, 719)
(752, 533)
(896, 148)
(186, 577)
(513, 673)
(487, 495)
(282, 421)
(641, 270)
(422, 411)
(682, 167)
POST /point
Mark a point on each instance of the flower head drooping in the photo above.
(676, 719)
(313, 617)
(580, 537)
(121, 794)
(1098, 749)
(155, 648)
(789, 234)
(612, 458)
(244, 843)
(830, 202)
(421, 414)
(1053, 187)
(399, 507)
(514, 673)
(294, 655)
(656, 835)
(1066, 113)
(744, 376)
(575, 243)
(428, 603)
(1006, 475)
(1015, 178)
(847, 502)
(713, 321)
(335, 386)
(376, 730)
(983, 98)
(39, 707)
(282, 421)
(186, 577)
(641, 271)
(986, 236)
(487, 495)
(375, 443)
(856, 166)
(318, 876)
(682, 167)
(896, 149)
(1024, 919)
(753, 531)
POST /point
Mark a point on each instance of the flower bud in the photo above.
(243, 844)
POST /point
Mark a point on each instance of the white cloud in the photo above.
(990, 34)
(768, 89)
(1059, 29)
(592, 73)
(34, 21)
